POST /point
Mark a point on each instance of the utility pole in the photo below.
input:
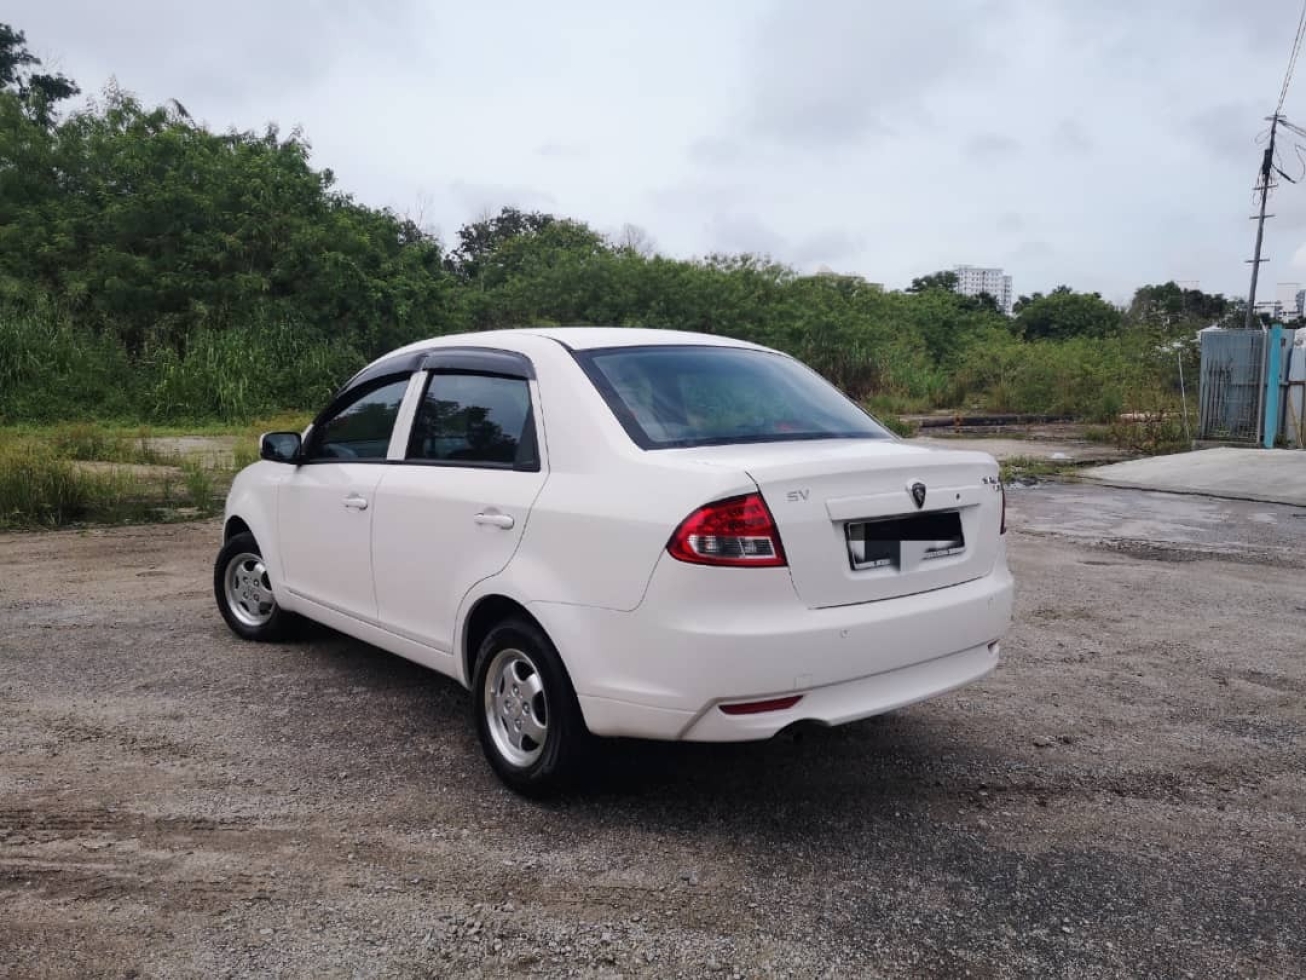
(1267, 166)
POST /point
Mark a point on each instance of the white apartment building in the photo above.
(1287, 295)
(972, 280)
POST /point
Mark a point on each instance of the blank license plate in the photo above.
(878, 544)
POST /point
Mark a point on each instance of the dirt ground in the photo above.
(1125, 796)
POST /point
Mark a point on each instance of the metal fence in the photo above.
(1230, 384)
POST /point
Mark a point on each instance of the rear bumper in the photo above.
(701, 638)
(835, 704)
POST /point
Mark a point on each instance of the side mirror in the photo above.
(280, 447)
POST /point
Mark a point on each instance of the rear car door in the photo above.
(324, 508)
(454, 511)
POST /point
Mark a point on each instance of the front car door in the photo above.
(453, 513)
(325, 508)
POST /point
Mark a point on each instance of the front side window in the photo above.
(475, 420)
(361, 428)
(679, 396)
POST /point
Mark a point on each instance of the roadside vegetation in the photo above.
(156, 273)
(90, 472)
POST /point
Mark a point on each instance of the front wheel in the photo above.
(527, 717)
(244, 591)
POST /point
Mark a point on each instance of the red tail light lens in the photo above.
(1002, 529)
(758, 707)
(738, 531)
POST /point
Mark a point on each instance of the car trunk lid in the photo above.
(864, 520)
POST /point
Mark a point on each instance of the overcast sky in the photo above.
(1102, 144)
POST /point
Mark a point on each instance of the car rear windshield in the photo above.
(677, 396)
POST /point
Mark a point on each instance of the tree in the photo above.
(986, 302)
(478, 240)
(37, 91)
(633, 238)
(1064, 314)
(147, 226)
(935, 280)
(1169, 303)
(1024, 301)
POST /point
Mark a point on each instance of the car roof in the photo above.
(573, 338)
(580, 338)
(588, 338)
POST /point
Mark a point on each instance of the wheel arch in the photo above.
(251, 509)
(235, 525)
(484, 614)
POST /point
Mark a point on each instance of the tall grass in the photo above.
(1094, 379)
(236, 375)
(51, 372)
(40, 489)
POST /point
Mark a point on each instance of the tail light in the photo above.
(1002, 528)
(738, 531)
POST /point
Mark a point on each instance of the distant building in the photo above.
(972, 280)
(1301, 302)
(1272, 308)
(1289, 296)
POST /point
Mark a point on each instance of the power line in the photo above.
(1268, 163)
(1292, 59)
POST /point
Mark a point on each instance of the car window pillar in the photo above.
(398, 448)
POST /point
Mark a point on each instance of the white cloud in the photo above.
(1102, 145)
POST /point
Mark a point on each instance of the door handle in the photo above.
(504, 521)
(356, 502)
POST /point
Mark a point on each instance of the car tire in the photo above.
(526, 713)
(244, 592)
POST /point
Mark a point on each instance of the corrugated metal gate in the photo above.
(1230, 384)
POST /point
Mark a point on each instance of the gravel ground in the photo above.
(1125, 796)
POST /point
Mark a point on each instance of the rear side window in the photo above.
(475, 420)
(360, 429)
(679, 396)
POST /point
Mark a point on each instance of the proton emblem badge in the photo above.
(918, 493)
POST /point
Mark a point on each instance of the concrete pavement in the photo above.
(1268, 475)
(1004, 448)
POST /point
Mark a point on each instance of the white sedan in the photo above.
(623, 532)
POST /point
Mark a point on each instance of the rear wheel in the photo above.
(244, 591)
(527, 717)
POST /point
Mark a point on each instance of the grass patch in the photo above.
(1152, 433)
(41, 490)
(201, 489)
(92, 443)
(887, 404)
(85, 473)
(110, 429)
(1036, 467)
(899, 426)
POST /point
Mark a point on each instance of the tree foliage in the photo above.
(37, 92)
(946, 281)
(1169, 303)
(143, 224)
(1063, 314)
(150, 267)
